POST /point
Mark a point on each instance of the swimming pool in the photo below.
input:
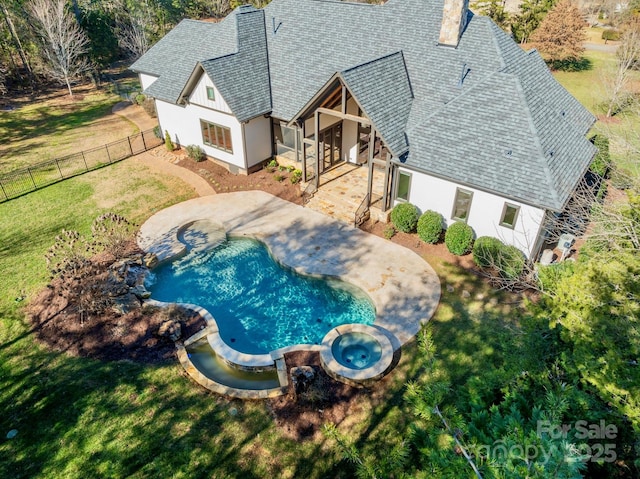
(258, 304)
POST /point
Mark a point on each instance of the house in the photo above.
(440, 102)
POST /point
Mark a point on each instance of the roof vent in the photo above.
(275, 27)
(463, 74)
(550, 153)
(508, 153)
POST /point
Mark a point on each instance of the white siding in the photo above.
(183, 124)
(429, 193)
(146, 80)
(257, 134)
(199, 96)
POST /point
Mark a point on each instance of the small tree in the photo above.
(64, 43)
(168, 142)
(561, 34)
(495, 10)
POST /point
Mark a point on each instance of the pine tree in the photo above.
(561, 34)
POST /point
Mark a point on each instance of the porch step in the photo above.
(341, 192)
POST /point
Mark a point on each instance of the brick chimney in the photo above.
(454, 20)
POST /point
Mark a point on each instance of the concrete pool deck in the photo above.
(403, 287)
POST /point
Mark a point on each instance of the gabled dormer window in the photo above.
(211, 93)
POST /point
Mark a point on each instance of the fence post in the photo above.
(59, 170)
(130, 147)
(6, 197)
(85, 161)
(144, 143)
(35, 187)
(106, 147)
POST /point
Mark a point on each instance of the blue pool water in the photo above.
(258, 304)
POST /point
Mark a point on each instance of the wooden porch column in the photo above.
(316, 127)
(372, 143)
(386, 197)
(304, 156)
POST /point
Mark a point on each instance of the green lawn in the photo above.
(589, 87)
(47, 129)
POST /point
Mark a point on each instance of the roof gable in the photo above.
(173, 58)
(382, 88)
(243, 77)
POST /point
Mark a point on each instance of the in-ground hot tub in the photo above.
(356, 354)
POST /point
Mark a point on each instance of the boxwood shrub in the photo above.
(508, 261)
(405, 217)
(458, 238)
(512, 262)
(430, 226)
(486, 251)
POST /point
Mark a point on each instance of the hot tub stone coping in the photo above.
(341, 372)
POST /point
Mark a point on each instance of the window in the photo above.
(285, 140)
(216, 136)
(404, 186)
(211, 93)
(509, 215)
(462, 205)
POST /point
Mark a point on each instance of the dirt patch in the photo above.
(274, 181)
(434, 253)
(327, 401)
(106, 331)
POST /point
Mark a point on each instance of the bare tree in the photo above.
(132, 33)
(628, 54)
(64, 44)
(16, 38)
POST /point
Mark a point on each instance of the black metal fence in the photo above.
(26, 180)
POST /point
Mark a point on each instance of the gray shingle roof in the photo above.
(383, 90)
(507, 99)
(243, 78)
(174, 57)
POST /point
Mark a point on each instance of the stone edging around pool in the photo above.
(404, 288)
(356, 377)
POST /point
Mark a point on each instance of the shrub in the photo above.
(157, 132)
(112, 233)
(389, 232)
(610, 34)
(511, 262)
(167, 141)
(195, 153)
(296, 176)
(405, 217)
(490, 252)
(140, 98)
(458, 238)
(602, 161)
(272, 165)
(486, 251)
(278, 178)
(430, 226)
(149, 105)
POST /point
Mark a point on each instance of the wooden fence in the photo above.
(23, 181)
